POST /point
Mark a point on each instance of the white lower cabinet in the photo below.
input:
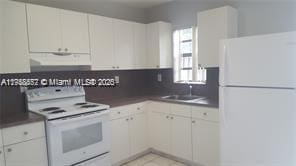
(187, 132)
(129, 131)
(2, 162)
(137, 131)
(159, 127)
(30, 153)
(181, 137)
(205, 139)
(120, 140)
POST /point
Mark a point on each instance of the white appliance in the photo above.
(77, 132)
(257, 100)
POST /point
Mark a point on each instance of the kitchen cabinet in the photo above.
(18, 155)
(140, 46)
(18, 139)
(123, 44)
(159, 43)
(214, 25)
(138, 136)
(120, 139)
(75, 32)
(205, 136)
(159, 135)
(54, 30)
(129, 131)
(181, 141)
(102, 42)
(14, 40)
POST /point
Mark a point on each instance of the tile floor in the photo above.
(153, 160)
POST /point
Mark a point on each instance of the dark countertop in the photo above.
(207, 102)
(19, 119)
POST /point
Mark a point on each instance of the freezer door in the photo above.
(261, 61)
(257, 127)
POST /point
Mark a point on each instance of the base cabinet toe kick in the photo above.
(189, 134)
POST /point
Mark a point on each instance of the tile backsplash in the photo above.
(132, 83)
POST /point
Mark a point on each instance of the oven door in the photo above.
(75, 139)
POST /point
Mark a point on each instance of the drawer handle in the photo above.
(193, 121)
(132, 118)
(138, 108)
(0, 152)
(26, 133)
(9, 150)
(118, 112)
(167, 117)
(205, 114)
(127, 119)
(172, 117)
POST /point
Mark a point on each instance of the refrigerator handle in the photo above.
(223, 119)
(222, 60)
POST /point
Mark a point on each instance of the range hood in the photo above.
(59, 59)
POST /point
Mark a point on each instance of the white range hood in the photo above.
(59, 59)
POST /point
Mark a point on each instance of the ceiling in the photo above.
(138, 3)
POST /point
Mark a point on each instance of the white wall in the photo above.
(254, 17)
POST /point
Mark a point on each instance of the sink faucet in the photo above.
(190, 90)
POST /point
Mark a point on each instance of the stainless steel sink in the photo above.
(183, 97)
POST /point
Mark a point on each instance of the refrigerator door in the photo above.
(260, 61)
(257, 127)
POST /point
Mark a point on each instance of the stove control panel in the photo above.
(48, 93)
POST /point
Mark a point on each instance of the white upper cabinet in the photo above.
(56, 30)
(13, 38)
(123, 35)
(44, 29)
(102, 42)
(140, 45)
(159, 43)
(75, 35)
(214, 25)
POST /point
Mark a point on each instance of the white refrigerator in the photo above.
(258, 100)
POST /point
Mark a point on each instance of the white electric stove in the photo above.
(77, 131)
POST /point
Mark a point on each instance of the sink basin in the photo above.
(182, 97)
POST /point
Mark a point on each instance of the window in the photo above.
(186, 68)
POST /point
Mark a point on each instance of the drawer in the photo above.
(23, 133)
(159, 107)
(1, 142)
(211, 114)
(119, 112)
(181, 110)
(138, 108)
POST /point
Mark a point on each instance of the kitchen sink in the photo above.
(183, 97)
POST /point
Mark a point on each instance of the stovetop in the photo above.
(70, 109)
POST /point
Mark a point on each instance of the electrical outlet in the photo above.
(116, 79)
(159, 77)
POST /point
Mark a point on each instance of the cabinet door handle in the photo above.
(167, 117)
(66, 49)
(205, 114)
(193, 121)
(127, 119)
(0, 152)
(9, 150)
(117, 67)
(113, 67)
(118, 112)
(132, 118)
(172, 117)
(59, 49)
(138, 108)
(26, 133)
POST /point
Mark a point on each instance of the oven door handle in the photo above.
(79, 117)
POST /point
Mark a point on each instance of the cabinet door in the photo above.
(102, 42)
(2, 162)
(153, 45)
(159, 125)
(181, 137)
(120, 148)
(138, 133)
(75, 36)
(30, 153)
(123, 31)
(140, 46)
(44, 28)
(205, 135)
